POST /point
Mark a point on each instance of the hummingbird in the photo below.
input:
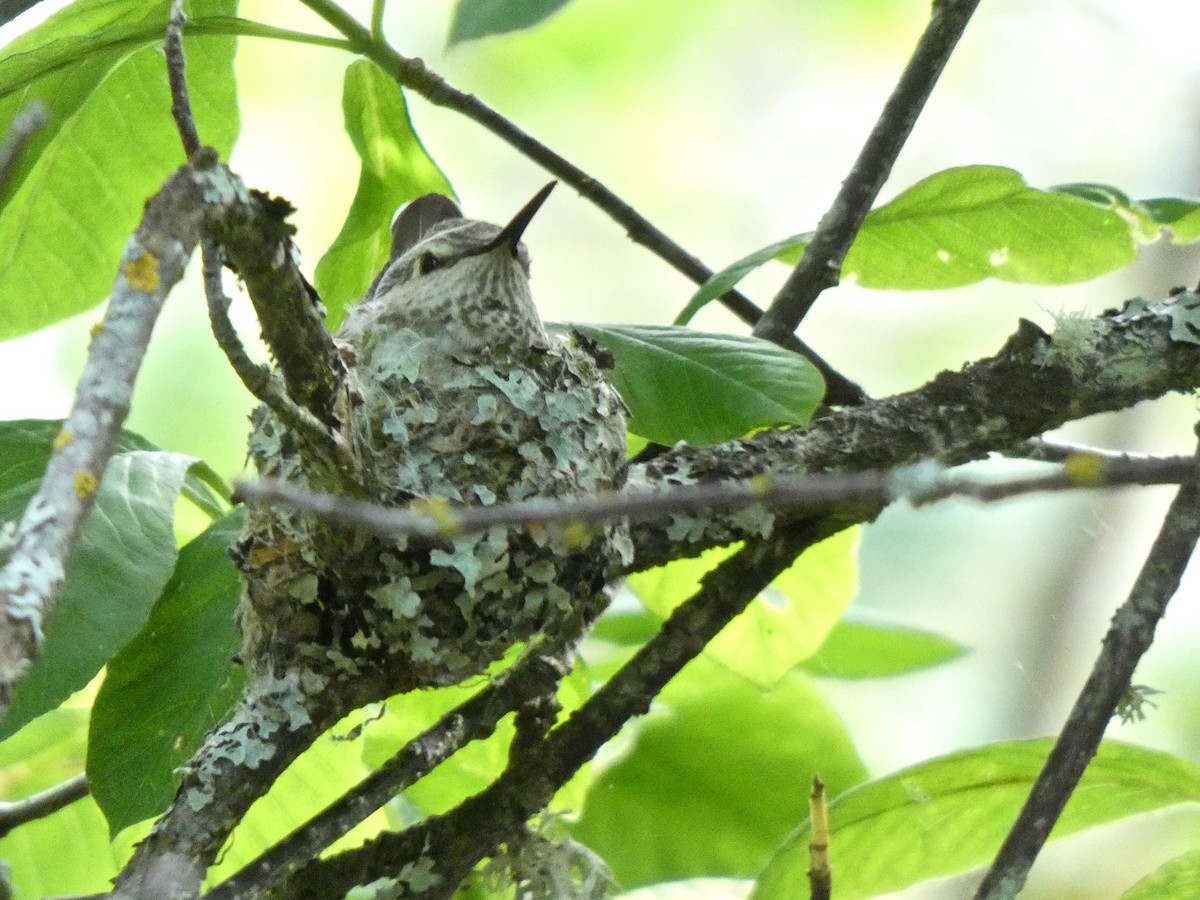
(454, 392)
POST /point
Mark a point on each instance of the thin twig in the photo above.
(1128, 638)
(43, 803)
(414, 74)
(1041, 449)
(821, 264)
(920, 484)
(181, 104)
(29, 119)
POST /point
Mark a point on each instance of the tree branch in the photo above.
(1036, 383)
(1128, 638)
(456, 841)
(415, 75)
(813, 494)
(43, 803)
(534, 675)
(820, 266)
(151, 264)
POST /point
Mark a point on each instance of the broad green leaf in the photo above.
(781, 628)
(395, 169)
(858, 650)
(1179, 217)
(717, 775)
(474, 19)
(122, 560)
(963, 225)
(966, 224)
(950, 814)
(704, 388)
(1173, 880)
(66, 852)
(109, 143)
(170, 684)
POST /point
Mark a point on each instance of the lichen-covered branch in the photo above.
(151, 264)
(1036, 383)
(811, 494)
(431, 858)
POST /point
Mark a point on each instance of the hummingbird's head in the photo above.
(461, 281)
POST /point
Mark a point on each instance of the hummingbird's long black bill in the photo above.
(510, 235)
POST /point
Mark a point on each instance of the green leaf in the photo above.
(170, 684)
(1179, 217)
(109, 143)
(693, 889)
(395, 169)
(966, 224)
(686, 385)
(1173, 880)
(716, 776)
(474, 19)
(858, 650)
(66, 852)
(123, 559)
(950, 814)
(778, 630)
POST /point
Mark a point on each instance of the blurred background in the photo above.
(730, 124)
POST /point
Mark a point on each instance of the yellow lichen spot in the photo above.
(262, 556)
(439, 510)
(577, 534)
(142, 273)
(63, 438)
(85, 484)
(760, 484)
(96, 330)
(1085, 469)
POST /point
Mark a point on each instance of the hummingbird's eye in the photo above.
(426, 263)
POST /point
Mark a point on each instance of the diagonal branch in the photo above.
(1128, 639)
(535, 674)
(821, 264)
(151, 265)
(415, 75)
(454, 842)
(37, 806)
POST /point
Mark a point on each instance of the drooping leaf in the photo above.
(859, 650)
(474, 19)
(170, 684)
(713, 776)
(122, 561)
(1175, 879)
(727, 278)
(108, 143)
(703, 388)
(395, 169)
(950, 814)
(781, 628)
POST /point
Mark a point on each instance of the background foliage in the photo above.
(764, 711)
